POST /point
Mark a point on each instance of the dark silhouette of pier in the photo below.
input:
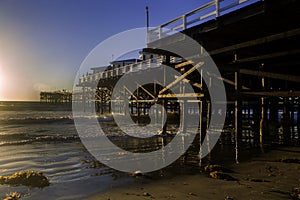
(256, 51)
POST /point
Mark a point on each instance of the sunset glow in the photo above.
(1, 83)
(42, 50)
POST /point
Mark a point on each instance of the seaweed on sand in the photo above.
(212, 168)
(13, 196)
(222, 176)
(295, 194)
(217, 172)
(26, 178)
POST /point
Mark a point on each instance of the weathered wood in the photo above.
(130, 93)
(298, 121)
(200, 132)
(273, 75)
(262, 120)
(258, 41)
(273, 93)
(149, 93)
(181, 77)
(189, 62)
(268, 56)
(286, 123)
(207, 130)
(184, 95)
(237, 115)
(228, 81)
(197, 85)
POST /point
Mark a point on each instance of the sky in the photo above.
(43, 42)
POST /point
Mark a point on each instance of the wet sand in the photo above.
(261, 177)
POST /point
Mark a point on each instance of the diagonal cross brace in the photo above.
(181, 77)
(145, 90)
(130, 93)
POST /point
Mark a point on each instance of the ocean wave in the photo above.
(40, 119)
(34, 120)
(20, 139)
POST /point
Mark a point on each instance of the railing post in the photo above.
(184, 22)
(148, 37)
(217, 2)
(131, 68)
(159, 32)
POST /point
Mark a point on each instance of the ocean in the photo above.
(42, 137)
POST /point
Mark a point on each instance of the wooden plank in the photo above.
(208, 15)
(230, 82)
(198, 85)
(285, 77)
(181, 77)
(130, 92)
(136, 101)
(184, 95)
(149, 93)
(194, 101)
(274, 93)
(237, 115)
(259, 41)
(189, 62)
(267, 56)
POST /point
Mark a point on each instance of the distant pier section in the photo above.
(61, 96)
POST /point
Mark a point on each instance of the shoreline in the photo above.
(261, 177)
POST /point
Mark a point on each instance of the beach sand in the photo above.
(262, 177)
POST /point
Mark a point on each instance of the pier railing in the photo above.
(201, 14)
(210, 10)
(119, 71)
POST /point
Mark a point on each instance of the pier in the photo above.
(62, 96)
(256, 51)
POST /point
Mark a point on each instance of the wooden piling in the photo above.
(262, 120)
(200, 132)
(207, 130)
(298, 122)
(238, 115)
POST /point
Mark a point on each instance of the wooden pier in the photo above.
(256, 51)
(56, 97)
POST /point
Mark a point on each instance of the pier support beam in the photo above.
(84, 98)
(164, 116)
(298, 122)
(237, 114)
(207, 132)
(286, 122)
(262, 120)
(273, 105)
(200, 133)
